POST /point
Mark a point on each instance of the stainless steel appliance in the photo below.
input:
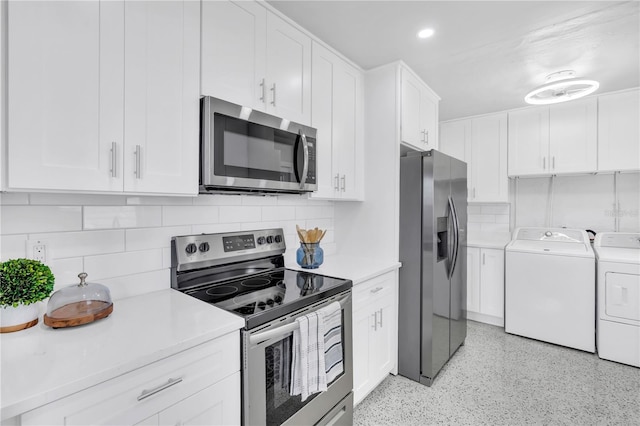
(433, 297)
(243, 150)
(243, 272)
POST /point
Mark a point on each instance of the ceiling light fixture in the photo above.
(561, 86)
(426, 33)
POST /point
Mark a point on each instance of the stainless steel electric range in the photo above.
(243, 273)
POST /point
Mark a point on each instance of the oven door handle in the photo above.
(283, 330)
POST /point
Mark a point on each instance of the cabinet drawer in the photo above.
(369, 290)
(137, 395)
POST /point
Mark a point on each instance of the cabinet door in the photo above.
(489, 181)
(619, 131)
(410, 110)
(218, 404)
(473, 279)
(322, 91)
(573, 136)
(529, 142)
(492, 282)
(347, 134)
(455, 140)
(382, 346)
(288, 71)
(428, 119)
(161, 96)
(234, 51)
(363, 322)
(65, 70)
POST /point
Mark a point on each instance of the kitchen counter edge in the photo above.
(41, 365)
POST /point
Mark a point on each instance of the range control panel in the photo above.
(213, 249)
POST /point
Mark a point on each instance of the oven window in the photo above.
(248, 150)
(279, 403)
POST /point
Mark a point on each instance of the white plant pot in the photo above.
(18, 318)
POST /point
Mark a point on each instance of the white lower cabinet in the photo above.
(200, 385)
(375, 334)
(485, 285)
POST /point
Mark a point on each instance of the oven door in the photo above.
(266, 375)
(255, 151)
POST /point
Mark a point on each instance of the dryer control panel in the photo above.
(618, 240)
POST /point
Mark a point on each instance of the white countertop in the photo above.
(357, 269)
(496, 240)
(40, 365)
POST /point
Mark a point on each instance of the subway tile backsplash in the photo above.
(124, 241)
(487, 218)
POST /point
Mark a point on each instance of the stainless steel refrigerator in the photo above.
(432, 319)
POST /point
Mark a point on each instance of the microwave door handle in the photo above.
(305, 167)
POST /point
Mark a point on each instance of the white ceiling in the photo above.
(485, 55)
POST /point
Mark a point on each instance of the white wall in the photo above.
(488, 218)
(124, 241)
(583, 202)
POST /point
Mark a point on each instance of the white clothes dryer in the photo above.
(550, 292)
(618, 325)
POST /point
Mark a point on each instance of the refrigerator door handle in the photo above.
(456, 236)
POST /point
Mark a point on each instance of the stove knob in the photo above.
(261, 306)
(270, 302)
(270, 239)
(260, 240)
(191, 248)
(278, 238)
(278, 300)
(204, 247)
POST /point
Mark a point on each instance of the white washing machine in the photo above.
(550, 291)
(618, 325)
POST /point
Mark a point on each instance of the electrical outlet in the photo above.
(38, 250)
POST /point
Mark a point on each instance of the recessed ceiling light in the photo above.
(561, 86)
(426, 33)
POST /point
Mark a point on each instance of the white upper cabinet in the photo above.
(528, 141)
(116, 105)
(558, 139)
(65, 97)
(252, 57)
(161, 96)
(419, 113)
(489, 181)
(481, 142)
(338, 114)
(619, 131)
(234, 47)
(573, 137)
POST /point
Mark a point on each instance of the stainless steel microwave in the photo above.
(243, 150)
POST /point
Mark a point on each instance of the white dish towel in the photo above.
(317, 339)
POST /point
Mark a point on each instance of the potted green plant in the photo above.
(23, 283)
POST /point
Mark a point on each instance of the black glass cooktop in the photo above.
(263, 297)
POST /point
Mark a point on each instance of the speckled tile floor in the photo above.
(502, 379)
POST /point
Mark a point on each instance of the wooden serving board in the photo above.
(12, 328)
(78, 313)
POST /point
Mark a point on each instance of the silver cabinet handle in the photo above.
(553, 162)
(483, 258)
(114, 159)
(375, 290)
(380, 322)
(262, 89)
(375, 321)
(426, 137)
(423, 135)
(474, 192)
(138, 154)
(337, 182)
(146, 393)
(344, 182)
(273, 89)
(544, 163)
